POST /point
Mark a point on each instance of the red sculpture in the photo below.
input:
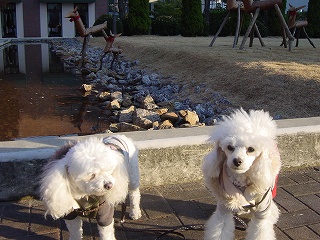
(83, 31)
(297, 25)
(109, 47)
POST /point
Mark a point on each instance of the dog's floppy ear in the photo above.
(55, 189)
(266, 167)
(212, 163)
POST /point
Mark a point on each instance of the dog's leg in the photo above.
(261, 225)
(107, 232)
(220, 225)
(134, 198)
(75, 228)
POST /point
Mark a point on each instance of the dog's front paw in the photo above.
(135, 213)
(234, 205)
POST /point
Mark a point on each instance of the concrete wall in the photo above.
(166, 156)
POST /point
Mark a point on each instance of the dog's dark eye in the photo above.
(230, 148)
(250, 149)
(92, 176)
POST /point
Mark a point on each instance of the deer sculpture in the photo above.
(297, 25)
(83, 31)
(109, 47)
(232, 6)
(250, 6)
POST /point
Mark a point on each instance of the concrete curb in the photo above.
(166, 156)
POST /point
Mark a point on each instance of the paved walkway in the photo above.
(177, 206)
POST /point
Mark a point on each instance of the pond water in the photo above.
(39, 98)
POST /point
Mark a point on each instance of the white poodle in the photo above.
(241, 173)
(87, 179)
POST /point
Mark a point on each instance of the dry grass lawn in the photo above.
(270, 78)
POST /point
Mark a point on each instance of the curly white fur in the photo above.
(91, 168)
(245, 152)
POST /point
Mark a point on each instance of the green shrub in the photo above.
(138, 18)
(313, 16)
(191, 18)
(168, 8)
(165, 26)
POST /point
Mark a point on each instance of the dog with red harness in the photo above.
(241, 173)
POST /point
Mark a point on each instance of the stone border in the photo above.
(166, 156)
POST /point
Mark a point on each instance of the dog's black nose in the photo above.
(108, 185)
(237, 162)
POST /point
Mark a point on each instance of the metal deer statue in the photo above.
(83, 31)
(109, 48)
(297, 25)
(235, 6)
(250, 6)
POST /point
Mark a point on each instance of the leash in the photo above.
(165, 232)
(247, 207)
(175, 231)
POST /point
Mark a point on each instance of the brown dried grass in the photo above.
(270, 78)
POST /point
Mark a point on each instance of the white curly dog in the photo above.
(241, 173)
(89, 178)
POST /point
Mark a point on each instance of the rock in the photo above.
(113, 105)
(124, 127)
(126, 115)
(172, 116)
(190, 117)
(166, 125)
(162, 111)
(116, 95)
(144, 118)
(126, 101)
(132, 95)
(103, 96)
(86, 87)
(148, 103)
(146, 80)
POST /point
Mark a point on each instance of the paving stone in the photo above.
(206, 204)
(288, 202)
(154, 204)
(312, 201)
(302, 233)
(15, 212)
(38, 224)
(285, 181)
(303, 189)
(152, 227)
(297, 219)
(315, 228)
(300, 177)
(169, 191)
(182, 192)
(188, 212)
(167, 207)
(13, 229)
(281, 235)
(314, 175)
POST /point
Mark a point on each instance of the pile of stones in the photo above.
(133, 99)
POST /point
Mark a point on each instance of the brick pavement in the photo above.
(180, 205)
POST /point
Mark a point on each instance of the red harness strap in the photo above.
(274, 188)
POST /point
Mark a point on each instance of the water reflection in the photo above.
(38, 98)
